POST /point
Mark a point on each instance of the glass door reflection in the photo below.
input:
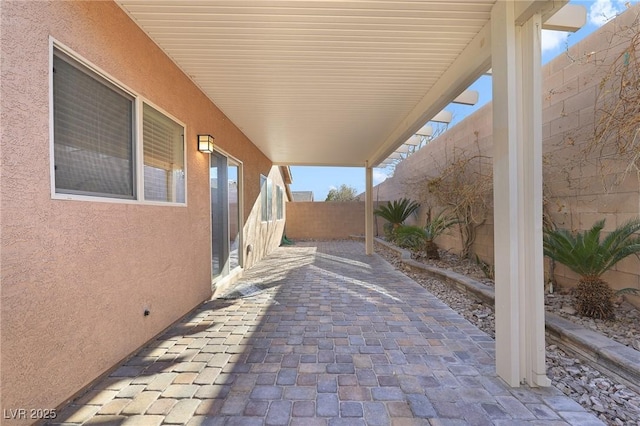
(219, 215)
(225, 215)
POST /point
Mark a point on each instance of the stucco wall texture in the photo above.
(578, 191)
(76, 276)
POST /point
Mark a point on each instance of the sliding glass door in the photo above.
(226, 224)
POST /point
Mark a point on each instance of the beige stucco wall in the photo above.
(76, 276)
(576, 194)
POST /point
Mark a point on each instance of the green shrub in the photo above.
(420, 239)
(396, 212)
(411, 237)
(585, 254)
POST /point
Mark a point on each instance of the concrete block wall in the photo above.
(583, 190)
(326, 220)
(469, 138)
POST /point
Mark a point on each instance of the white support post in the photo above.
(530, 190)
(517, 125)
(505, 192)
(368, 210)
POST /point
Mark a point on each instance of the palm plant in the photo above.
(422, 239)
(589, 257)
(396, 212)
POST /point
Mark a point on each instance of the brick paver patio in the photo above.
(322, 335)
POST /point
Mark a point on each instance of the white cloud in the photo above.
(331, 187)
(552, 39)
(379, 176)
(602, 11)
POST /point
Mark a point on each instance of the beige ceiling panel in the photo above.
(305, 79)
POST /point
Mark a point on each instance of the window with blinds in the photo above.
(93, 133)
(94, 139)
(163, 146)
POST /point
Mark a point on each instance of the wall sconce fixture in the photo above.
(205, 143)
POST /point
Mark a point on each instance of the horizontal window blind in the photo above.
(93, 132)
(163, 147)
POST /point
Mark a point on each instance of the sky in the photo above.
(321, 180)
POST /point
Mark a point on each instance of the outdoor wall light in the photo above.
(205, 143)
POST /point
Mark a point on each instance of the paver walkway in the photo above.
(322, 335)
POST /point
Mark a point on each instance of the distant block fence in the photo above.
(326, 220)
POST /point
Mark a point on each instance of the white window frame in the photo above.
(138, 150)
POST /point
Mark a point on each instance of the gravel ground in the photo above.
(612, 402)
(625, 329)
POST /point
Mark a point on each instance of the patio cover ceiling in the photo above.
(336, 83)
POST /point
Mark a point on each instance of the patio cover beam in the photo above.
(474, 61)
